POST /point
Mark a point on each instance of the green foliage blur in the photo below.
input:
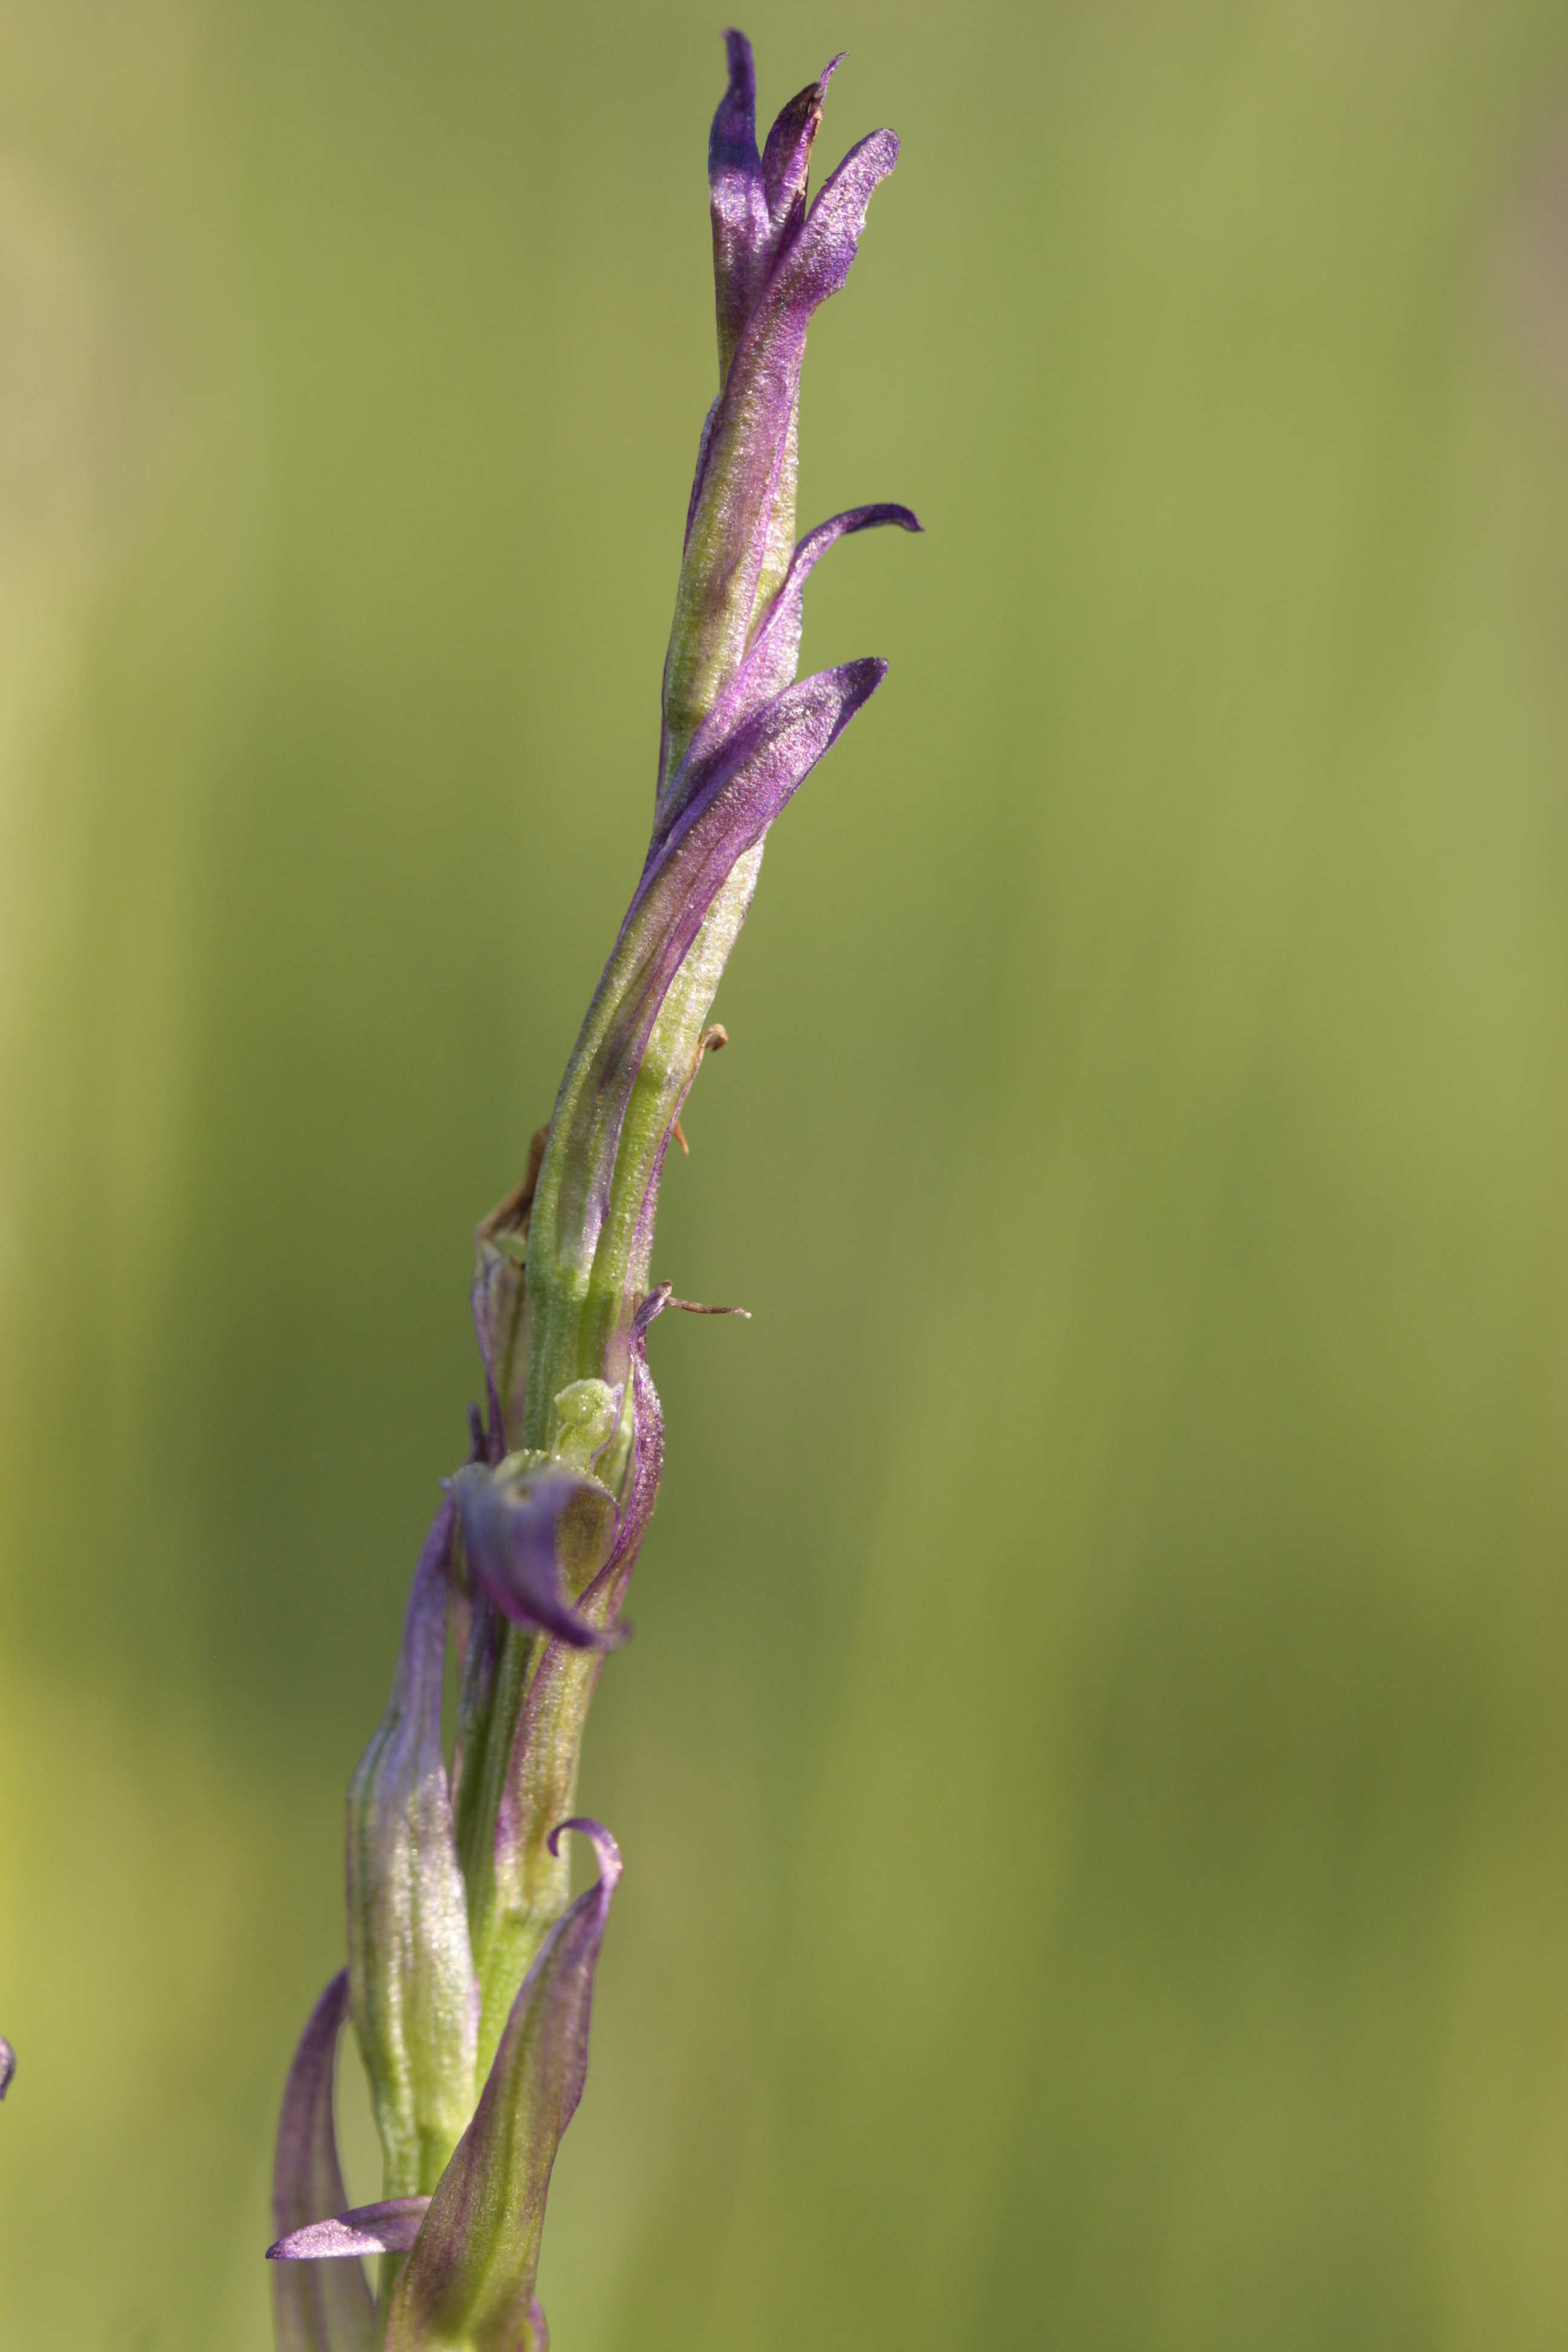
(1093, 1769)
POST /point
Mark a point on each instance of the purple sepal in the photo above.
(416, 1995)
(735, 196)
(315, 2310)
(389, 2228)
(469, 2278)
(511, 1532)
(729, 798)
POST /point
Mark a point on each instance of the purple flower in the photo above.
(523, 1524)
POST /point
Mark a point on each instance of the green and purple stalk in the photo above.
(470, 1973)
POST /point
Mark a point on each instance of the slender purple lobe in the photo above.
(538, 2336)
(728, 799)
(470, 2279)
(315, 2310)
(415, 1996)
(389, 2228)
(735, 198)
(512, 1535)
(7, 2065)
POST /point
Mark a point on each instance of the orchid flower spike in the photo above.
(470, 1973)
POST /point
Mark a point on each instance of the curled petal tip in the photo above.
(389, 2228)
(510, 1538)
(606, 1853)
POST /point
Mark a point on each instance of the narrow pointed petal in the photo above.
(513, 1535)
(416, 1995)
(747, 453)
(389, 2228)
(7, 2065)
(770, 665)
(470, 2279)
(786, 158)
(538, 2336)
(315, 2311)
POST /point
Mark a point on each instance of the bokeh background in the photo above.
(1094, 1764)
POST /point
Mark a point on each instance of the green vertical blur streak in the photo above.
(1092, 1769)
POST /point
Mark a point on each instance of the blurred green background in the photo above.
(1094, 1766)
